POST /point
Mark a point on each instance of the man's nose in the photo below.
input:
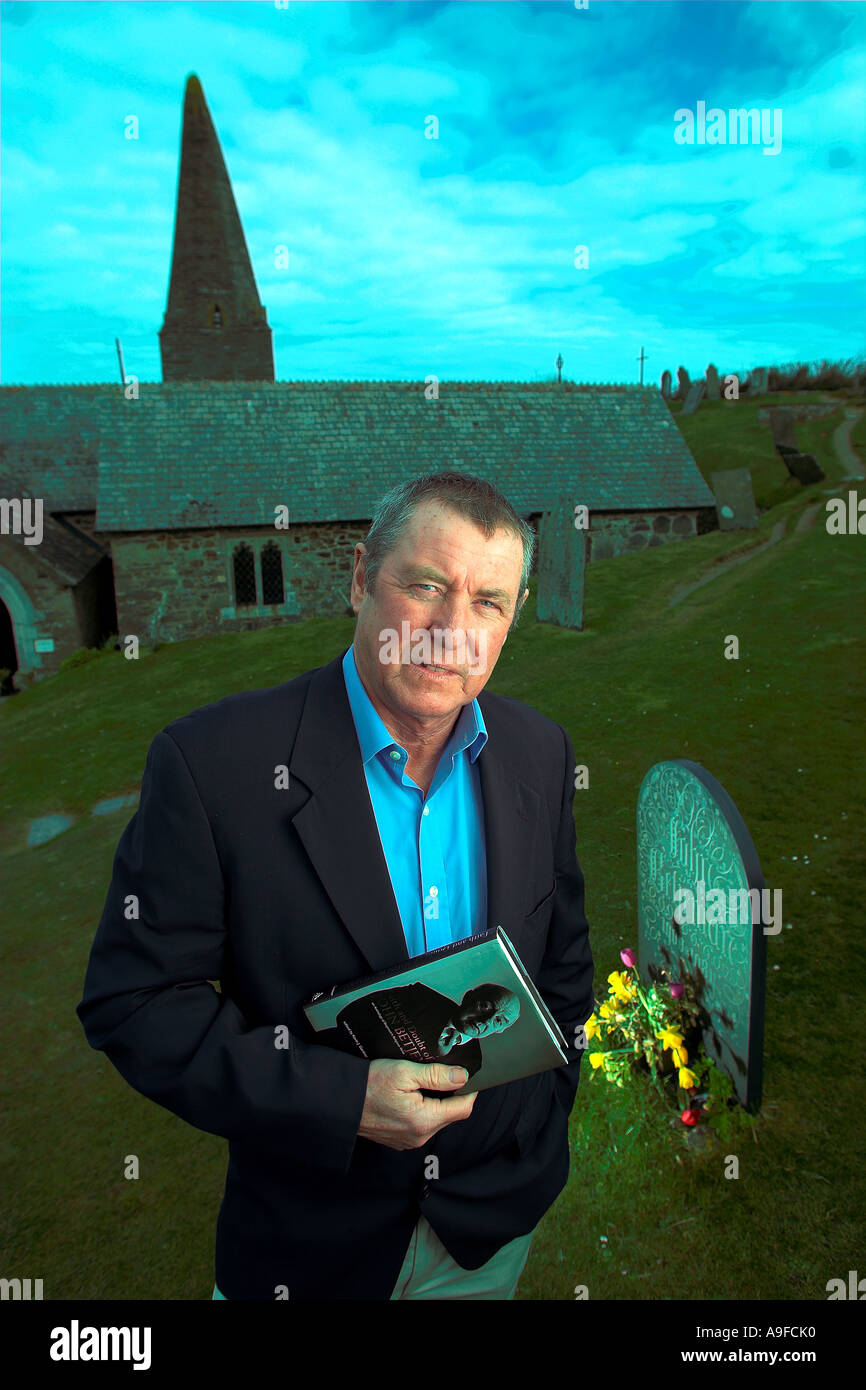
(455, 616)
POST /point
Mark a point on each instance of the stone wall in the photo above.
(800, 412)
(178, 584)
(616, 533)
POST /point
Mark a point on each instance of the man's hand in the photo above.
(397, 1115)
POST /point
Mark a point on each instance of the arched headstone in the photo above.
(683, 383)
(666, 384)
(690, 836)
(735, 499)
(714, 392)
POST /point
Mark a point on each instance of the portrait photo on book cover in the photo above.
(418, 1024)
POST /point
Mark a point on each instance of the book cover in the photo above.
(470, 1003)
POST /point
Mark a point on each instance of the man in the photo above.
(417, 1022)
(295, 838)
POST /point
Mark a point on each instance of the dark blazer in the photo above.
(224, 873)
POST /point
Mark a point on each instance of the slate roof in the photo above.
(50, 438)
(202, 454)
(67, 553)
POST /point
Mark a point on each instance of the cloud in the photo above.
(555, 129)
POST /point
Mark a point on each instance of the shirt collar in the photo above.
(469, 732)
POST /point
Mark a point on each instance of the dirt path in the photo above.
(845, 451)
(717, 571)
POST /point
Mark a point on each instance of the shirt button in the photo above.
(434, 891)
(426, 811)
(395, 755)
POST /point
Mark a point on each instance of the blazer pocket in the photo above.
(542, 910)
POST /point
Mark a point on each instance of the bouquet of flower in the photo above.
(656, 1028)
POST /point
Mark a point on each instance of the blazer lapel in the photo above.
(337, 825)
(511, 815)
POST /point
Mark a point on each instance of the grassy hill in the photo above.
(728, 434)
(643, 1215)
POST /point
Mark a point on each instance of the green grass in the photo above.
(782, 730)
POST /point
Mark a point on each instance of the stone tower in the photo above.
(215, 326)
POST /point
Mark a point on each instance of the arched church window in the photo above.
(272, 573)
(217, 317)
(244, 572)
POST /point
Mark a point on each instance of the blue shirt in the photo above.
(433, 844)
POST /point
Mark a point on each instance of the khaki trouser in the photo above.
(429, 1271)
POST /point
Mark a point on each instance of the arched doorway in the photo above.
(8, 652)
(19, 638)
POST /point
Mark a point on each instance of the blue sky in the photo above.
(455, 257)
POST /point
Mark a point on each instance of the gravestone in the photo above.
(695, 396)
(758, 381)
(691, 836)
(666, 385)
(714, 391)
(683, 383)
(561, 566)
(782, 427)
(805, 468)
(735, 499)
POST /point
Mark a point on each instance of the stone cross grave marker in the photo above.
(561, 565)
(690, 836)
(695, 396)
(735, 499)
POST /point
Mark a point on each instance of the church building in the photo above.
(222, 500)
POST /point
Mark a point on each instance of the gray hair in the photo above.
(471, 497)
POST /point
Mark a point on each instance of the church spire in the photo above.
(215, 326)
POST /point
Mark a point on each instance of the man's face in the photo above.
(478, 1018)
(443, 576)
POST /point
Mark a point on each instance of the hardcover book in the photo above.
(470, 1003)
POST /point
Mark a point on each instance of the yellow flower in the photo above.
(605, 1011)
(596, 1060)
(680, 1055)
(590, 1028)
(619, 987)
(669, 1039)
(688, 1080)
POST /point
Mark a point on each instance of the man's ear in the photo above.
(359, 576)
